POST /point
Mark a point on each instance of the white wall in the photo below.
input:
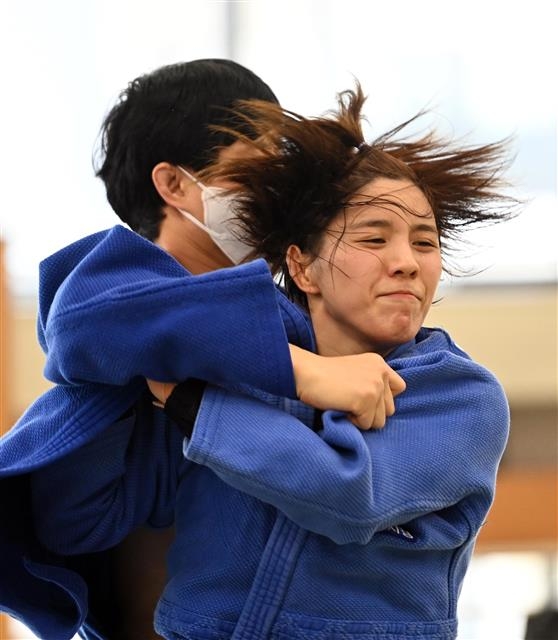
(485, 67)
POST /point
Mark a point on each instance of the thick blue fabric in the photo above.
(114, 308)
(124, 308)
(283, 533)
(381, 524)
(444, 441)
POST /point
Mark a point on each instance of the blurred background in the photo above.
(486, 70)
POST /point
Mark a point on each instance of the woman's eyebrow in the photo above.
(384, 223)
(423, 226)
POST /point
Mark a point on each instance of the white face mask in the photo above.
(219, 220)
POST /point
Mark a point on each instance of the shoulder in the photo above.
(436, 367)
(433, 347)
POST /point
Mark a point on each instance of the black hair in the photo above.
(308, 170)
(167, 116)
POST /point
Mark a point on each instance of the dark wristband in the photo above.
(317, 424)
(183, 404)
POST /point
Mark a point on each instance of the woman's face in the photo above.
(377, 272)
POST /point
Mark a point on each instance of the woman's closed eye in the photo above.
(375, 240)
(427, 243)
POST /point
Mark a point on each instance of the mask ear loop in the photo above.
(200, 225)
(192, 218)
(205, 189)
(190, 176)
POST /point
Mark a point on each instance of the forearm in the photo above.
(225, 326)
(363, 386)
(437, 452)
(279, 459)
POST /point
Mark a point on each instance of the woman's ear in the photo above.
(171, 184)
(300, 267)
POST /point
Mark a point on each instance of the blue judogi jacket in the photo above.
(102, 301)
(283, 532)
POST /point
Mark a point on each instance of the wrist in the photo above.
(183, 404)
(303, 364)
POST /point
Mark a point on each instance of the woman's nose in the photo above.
(402, 260)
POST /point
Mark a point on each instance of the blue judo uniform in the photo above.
(284, 532)
(99, 346)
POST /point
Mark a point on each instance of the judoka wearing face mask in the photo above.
(219, 220)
